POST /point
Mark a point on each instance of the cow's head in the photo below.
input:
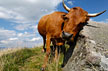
(75, 20)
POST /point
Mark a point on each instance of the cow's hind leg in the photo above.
(44, 42)
(47, 52)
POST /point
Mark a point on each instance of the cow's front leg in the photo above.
(58, 50)
(56, 54)
(47, 52)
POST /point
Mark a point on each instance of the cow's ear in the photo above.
(65, 18)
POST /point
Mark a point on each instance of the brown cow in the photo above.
(58, 26)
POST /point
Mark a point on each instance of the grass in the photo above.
(26, 59)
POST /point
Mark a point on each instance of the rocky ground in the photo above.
(91, 50)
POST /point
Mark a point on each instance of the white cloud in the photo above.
(106, 21)
(35, 39)
(34, 28)
(70, 2)
(12, 39)
(7, 41)
(20, 34)
(91, 19)
(32, 1)
(5, 34)
(22, 27)
(4, 42)
(26, 11)
(10, 14)
(26, 34)
(2, 15)
(25, 39)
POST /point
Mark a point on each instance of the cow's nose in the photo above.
(66, 36)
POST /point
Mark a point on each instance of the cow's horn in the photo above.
(67, 8)
(96, 14)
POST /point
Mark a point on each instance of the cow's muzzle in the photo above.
(66, 35)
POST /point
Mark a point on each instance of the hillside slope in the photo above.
(91, 50)
(25, 59)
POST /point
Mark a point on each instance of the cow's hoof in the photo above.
(43, 50)
(42, 69)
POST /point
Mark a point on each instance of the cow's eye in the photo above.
(75, 8)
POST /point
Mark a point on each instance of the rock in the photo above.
(91, 50)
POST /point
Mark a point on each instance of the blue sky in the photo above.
(19, 19)
(91, 6)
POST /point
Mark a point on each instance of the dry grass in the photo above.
(25, 59)
(9, 50)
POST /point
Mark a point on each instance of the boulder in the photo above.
(91, 49)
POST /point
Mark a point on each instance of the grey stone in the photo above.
(91, 51)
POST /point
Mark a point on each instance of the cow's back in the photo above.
(51, 24)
